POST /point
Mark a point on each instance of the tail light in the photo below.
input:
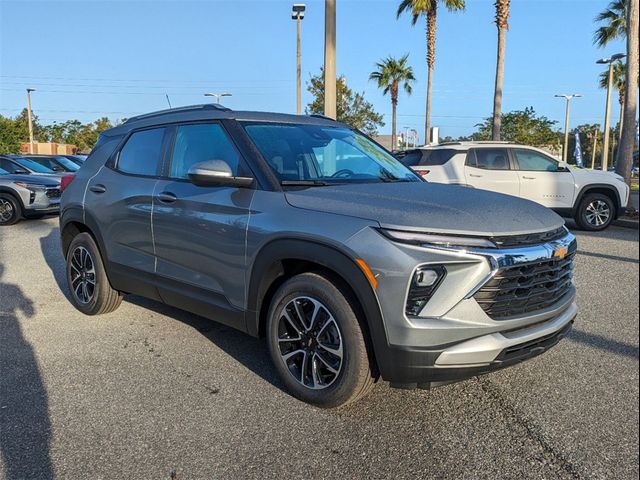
(65, 181)
(422, 172)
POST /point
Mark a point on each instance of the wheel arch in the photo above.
(603, 189)
(282, 259)
(14, 194)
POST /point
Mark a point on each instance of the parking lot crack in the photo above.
(552, 457)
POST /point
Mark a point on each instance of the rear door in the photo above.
(490, 169)
(541, 179)
(119, 197)
(200, 231)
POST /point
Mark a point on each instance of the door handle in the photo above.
(98, 188)
(529, 178)
(475, 176)
(167, 197)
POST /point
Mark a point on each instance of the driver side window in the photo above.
(535, 162)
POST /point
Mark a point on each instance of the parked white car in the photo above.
(593, 197)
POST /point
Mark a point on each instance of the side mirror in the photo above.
(562, 168)
(216, 173)
(21, 172)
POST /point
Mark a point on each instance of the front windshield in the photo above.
(33, 166)
(67, 164)
(3, 172)
(322, 155)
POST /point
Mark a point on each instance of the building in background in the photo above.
(50, 148)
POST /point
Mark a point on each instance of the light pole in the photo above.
(566, 122)
(297, 14)
(29, 90)
(607, 111)
(217, 96)
(330, 58)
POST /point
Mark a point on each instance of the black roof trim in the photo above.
(168, 111)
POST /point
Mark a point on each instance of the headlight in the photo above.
(416, 238)
(31, 186)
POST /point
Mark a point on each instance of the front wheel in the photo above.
(595, 212)
(91, 292)
(10, 211)
(317, 343)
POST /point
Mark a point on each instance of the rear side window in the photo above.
(437, 157)
(199, 143)
(9, 166)
(142, 153)
(488, 158)
(412, 159)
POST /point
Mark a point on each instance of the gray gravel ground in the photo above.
(152, 392)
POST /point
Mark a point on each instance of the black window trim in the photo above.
(114, 159)
(508, 151)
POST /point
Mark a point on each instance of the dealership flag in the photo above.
(578, 151)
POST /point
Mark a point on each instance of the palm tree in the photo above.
(428, 8)
(390, 74)
(619, 83)
(615, 23)
(502, 22)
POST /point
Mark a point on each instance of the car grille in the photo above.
(529, 238)
(527, 287)
(53, 193)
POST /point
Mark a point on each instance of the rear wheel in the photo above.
(317, 343)
(595, 212)
(91, 292)
(10, 211)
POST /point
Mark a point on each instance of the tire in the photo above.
(595, 212)
(336, 327)
(83, 256)
(10, 210)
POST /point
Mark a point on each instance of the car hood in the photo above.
(584, 174)
(430, 207)
(44, 179)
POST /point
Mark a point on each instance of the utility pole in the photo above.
(29, 90)
(567, 111)
(330, 98)
(607, 114)
(297, 14)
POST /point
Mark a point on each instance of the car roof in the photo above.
(210, 111)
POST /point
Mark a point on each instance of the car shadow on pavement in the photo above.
(249, 351)
(25, 427)
(603, 343)
(52, 254)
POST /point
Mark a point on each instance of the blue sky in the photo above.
(118, 58)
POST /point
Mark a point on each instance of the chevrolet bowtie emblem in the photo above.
(560, 253)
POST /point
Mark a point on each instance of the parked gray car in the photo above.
(303, 231)
(27, 196)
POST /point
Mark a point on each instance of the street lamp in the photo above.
(217, 96)
(607, 111)
(29, 90)
(566, 122)
(297, 14)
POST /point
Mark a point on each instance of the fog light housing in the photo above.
(424, 283)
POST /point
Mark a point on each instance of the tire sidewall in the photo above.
(85, 240)
(17, 211)
(582, 214)
(354, 348)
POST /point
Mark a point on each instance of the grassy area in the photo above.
(634, 185)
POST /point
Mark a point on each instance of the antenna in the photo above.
(168, 101)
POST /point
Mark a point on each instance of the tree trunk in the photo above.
(431, 58)
(625, 149)
(394, 142)
(621, 123)
(502, 17)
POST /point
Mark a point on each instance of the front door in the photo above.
(542, 181)
(200, 232)
(490, 169)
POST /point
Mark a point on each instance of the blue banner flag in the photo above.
(577, 153)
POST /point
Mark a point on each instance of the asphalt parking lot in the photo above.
(153, 392)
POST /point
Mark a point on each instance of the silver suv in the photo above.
(27, 196)
(302, 230)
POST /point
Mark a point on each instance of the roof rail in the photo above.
(319, 115)
(189, 108)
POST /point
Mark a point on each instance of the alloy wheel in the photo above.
(310, 342)
(83, 275)
(598, 213)
(6, 210)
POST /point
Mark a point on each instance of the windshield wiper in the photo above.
(395, 180)
(306, 183)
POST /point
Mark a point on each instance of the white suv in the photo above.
(593, 197)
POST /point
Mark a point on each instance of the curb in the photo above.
(623, 222)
